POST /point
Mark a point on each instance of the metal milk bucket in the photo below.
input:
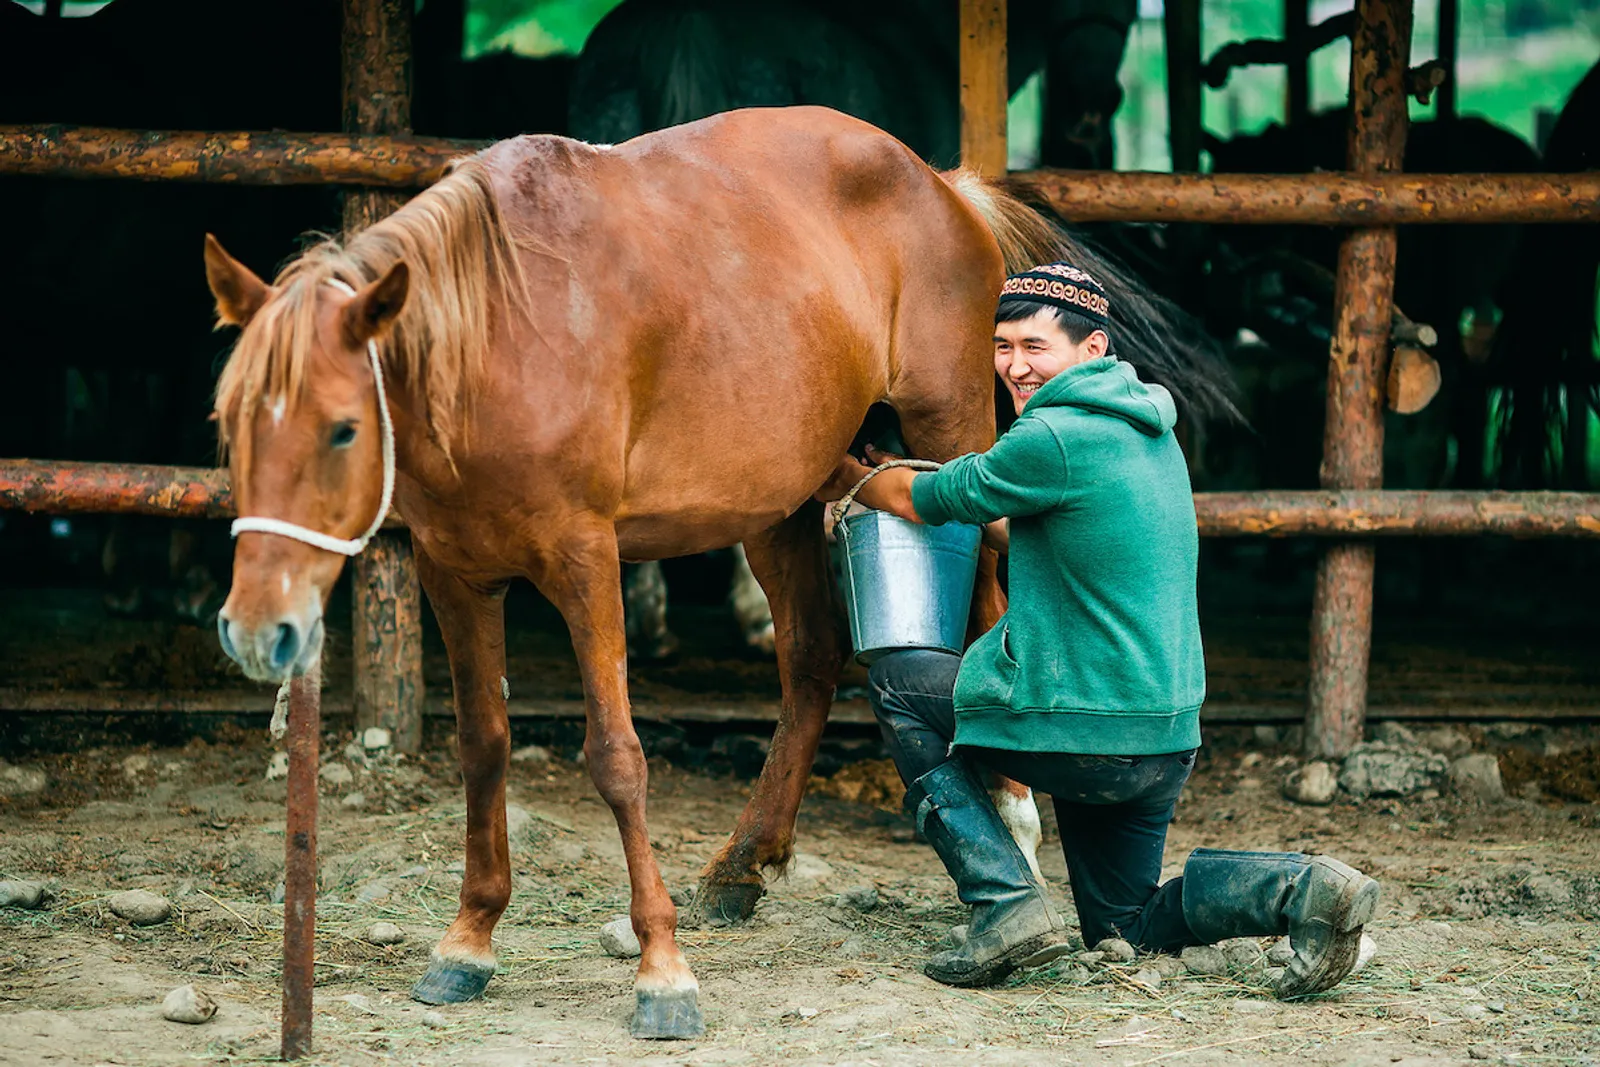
(904, 585)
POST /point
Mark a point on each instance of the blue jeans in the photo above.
(1112, 811)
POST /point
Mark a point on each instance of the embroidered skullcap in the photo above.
(1062, 285)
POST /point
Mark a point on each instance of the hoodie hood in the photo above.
(1108, 386)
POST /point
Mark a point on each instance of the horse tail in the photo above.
(1160, 340)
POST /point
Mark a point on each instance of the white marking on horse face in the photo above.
(1021, 816)
(278, 407)
(286, 583)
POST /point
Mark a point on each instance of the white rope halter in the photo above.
(353, 547)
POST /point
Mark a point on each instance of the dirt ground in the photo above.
(1488, 948)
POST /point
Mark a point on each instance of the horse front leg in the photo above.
(583, 580)
(791, 562)
(472, 622)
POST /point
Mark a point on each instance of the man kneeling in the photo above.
(1089, 689)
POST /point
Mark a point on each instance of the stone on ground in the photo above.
(1477, 776)
(1116, 950)
(519, 824)
(1448, 741)
(1148, 977)
(353, 801)
(278, 766)
(1313, 783)
(373, 892)
(535, 754)
(1167, 966)
(336, 774)
(140, 907)
(808, 870)
(1280, 952)
(1205, 959)
(1392, 733)
(385, 934)
(16, 781)
(1382, 770)
(860, 897)
(955, 938)
(21, 894)
(434, 1020)
(186, 1004)
(1242, 954)
(376, 739)
(618, 939)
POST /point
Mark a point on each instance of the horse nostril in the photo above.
(286, 649)
(223, 639)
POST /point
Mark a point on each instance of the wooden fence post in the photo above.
(1352, 450)
(984, 86)
(387, 650)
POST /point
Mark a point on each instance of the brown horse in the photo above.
(596, 354)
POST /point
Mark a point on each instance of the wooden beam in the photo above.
(387, 595)
(984, 88)
(1381, 199)
(407, 162)
(70, 488)
(1297, 64)
(1352, 450)
(242, 158)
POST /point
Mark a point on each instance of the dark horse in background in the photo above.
(651, 64)
(1545, 349)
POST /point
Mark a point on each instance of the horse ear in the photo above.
(374, 309)
(238, 291)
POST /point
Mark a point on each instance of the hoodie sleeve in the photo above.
(1023, 474)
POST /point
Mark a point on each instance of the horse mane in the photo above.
(462, 259)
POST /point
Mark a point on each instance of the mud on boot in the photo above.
(1321, 903)
(1012, 925)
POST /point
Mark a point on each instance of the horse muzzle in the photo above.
(273, 650)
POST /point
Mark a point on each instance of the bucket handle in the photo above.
(842, 505)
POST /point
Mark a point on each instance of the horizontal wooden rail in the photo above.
(403, 162)
(1327, 199)
(1087, 196)
(61, 488)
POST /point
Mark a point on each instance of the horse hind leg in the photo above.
(472, 622)
(750, 605)
(1014, 801)
(585, 584)
(791, 561)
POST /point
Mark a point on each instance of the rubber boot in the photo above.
(1320, 903)
(1012, 923)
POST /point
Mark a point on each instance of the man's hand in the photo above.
(844, 478)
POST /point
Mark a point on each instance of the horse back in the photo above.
(735, 281)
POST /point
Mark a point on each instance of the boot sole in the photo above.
(1035, 952)
(1357, 904)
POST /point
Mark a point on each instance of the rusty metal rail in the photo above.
(64, 488)
(407, 162)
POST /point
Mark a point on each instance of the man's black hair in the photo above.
(1077, 327)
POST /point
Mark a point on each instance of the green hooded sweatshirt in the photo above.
(1100, 651)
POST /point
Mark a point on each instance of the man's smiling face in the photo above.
(1029, 352)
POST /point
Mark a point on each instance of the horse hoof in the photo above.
(451, 982)
(667, 1015)
(725, 903)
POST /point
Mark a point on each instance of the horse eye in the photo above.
(343, 434)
